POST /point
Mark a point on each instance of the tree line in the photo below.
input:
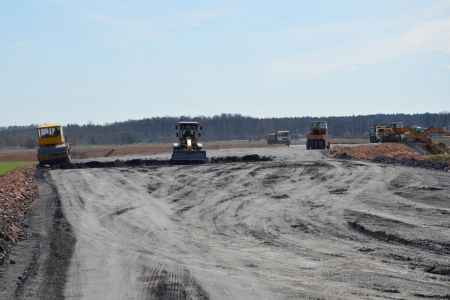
(217, 128)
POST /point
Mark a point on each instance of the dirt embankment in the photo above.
(137, 162)
(17, 191)
(391, 153)
(84, 152)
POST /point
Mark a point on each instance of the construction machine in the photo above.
(279, 137)
(372, 134)
(408, 134)
(53, 148)
(188, 149)
(391, 133)
(318, 136)
(377, 132)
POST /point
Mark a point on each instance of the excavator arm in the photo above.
(435, 131)
(424, 136)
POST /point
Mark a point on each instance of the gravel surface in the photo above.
(301, 226)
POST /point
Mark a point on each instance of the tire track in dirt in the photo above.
(259, 230)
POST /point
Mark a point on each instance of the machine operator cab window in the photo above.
(319, 125)
(188, 130)
(49, 132)
(398, 125)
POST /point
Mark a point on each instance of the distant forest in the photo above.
(217, 128)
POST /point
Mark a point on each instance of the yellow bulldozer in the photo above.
(53, 148)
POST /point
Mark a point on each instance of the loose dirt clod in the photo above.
(245, 158)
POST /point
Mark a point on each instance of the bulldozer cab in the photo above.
(50, 135)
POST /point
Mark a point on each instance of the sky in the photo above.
(100, 61)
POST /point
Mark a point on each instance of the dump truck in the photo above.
(188, 149)
(53, 148)
(318, 136)
(279, 137)
(377, 132)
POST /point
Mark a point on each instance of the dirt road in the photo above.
(303, 226)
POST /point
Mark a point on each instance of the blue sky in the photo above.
(107, 60)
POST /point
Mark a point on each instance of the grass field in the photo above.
(5, 167)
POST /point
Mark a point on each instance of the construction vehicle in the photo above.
(377, 132)
(391, 133)
(398, 133)
(372, 134)
(279, 137)
(318, 136)
(53, 148)
(188, 149)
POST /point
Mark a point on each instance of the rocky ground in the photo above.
(17, 191)
(391, 153)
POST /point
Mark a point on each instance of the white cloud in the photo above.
(426, 36)
(314, 30)
(129, 35)
(103, 20)
(431, 36)
(196, 17)
(437, 10)
(19, 44)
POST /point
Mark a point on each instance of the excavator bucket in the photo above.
(189, 157)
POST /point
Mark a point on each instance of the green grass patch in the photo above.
(8, 166)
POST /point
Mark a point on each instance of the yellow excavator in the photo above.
(397, 132)
(53, 148)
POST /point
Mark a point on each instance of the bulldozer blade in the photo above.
(189, 157)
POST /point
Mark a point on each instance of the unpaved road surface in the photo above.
(303, 226)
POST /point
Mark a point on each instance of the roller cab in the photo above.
(53, 148)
